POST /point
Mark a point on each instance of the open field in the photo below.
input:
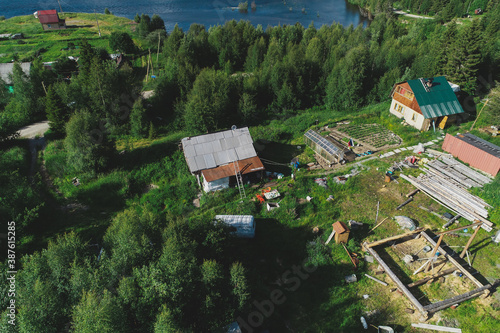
(321, 300)
(56, 43)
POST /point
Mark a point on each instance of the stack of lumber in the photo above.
(445, 191)
(456, 172)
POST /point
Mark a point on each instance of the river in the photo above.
(208, 12)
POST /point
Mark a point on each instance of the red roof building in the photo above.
(479, 153)
(50, 20)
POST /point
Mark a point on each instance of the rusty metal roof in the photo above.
(212, 150)
(340, 227)
(228, 170)
(479, 153)
(48, 16)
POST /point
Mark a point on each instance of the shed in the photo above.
(323, 147)
(218, 157)
(50, 20)
(475, 151)
(6, 70)
(244, 224)
(341, 232)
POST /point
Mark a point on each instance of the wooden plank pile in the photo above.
(456, 172)
(444, 190)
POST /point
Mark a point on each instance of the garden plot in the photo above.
(372, 136)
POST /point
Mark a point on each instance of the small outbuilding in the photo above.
(50, 20)
(341, 232)
(475, 151)
(426, 102)
(244, 225)
(219, 157)
(326, 149)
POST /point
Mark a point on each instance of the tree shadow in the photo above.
(139, 157)
(275, 264)
(277, 156)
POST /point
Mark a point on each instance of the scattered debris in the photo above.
(330, 198)
(437, 328)
(376, 280)
(419, 149)
(369, 259)
(404, 203)
(321, 182)
(308, 198)
(405, 222)
(363, 322)
(270, 194)
(355, 225)
(410, 311)
(75, 181)
(353, 257)
(412, 193)
(496, 238)
(375, 227)
(272, 205)
(351, 278)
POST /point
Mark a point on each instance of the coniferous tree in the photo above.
(57, 112)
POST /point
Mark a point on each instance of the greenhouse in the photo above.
(324, 147)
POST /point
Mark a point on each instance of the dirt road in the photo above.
(400, 12)
(33, 130)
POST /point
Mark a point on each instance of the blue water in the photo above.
(208, 12)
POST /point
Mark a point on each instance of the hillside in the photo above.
(54, 44)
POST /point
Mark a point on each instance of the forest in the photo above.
(128, 259)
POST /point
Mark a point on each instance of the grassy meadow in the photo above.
(55, 43)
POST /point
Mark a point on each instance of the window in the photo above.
(48, 26)
(405, 93)
(414, 117)
(398, 107)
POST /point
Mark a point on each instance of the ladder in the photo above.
(239, 180)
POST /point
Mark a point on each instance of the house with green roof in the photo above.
(426, 103)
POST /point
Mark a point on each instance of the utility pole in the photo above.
(60, 6)
(99, 29)
(158, 52)
(147, 72)
(479, 115)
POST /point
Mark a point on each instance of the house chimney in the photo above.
(429, 82)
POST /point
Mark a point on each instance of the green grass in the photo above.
(323, 302)
(53, 44)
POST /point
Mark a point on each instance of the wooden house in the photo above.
(219, 157)
(341, 232)
(50, 20)
(426, 103)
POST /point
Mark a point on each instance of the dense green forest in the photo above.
(156, 265)
(443, 10)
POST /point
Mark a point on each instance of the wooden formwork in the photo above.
(437, 306)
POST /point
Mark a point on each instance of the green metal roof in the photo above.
(436, 101)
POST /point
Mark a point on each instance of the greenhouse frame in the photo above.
(324, 147)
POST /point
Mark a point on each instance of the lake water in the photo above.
(208, 12)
